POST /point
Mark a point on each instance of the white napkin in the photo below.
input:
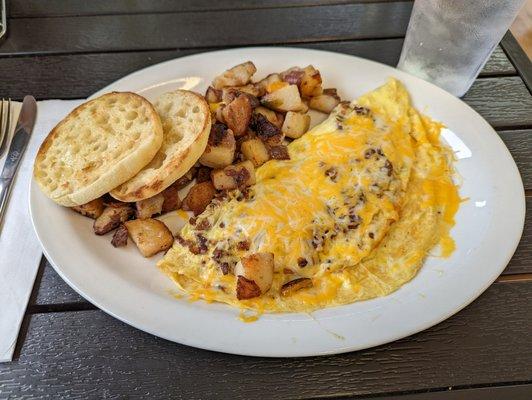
(20, 252)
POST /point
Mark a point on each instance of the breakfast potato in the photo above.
(325, 102)
(295, 124)
(256, 268)
(171, 199)
(199, 197)
(293, 75)
(221, 146)
(272, 116)
(150, 235)
(250, 89)
(234, 176)
(285, 99)
(112, 216)
(213, 95)
(311, 82)
(255, 151)
(239, 75)
(237, 115)
(266, 83)
(219, 113)
(148, 207)
(204, 174)
(265, 130)
(93, 209)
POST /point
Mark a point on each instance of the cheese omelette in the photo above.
(364, 198)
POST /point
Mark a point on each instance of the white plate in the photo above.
(488, 228)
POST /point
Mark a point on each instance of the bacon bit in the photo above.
(225, 268)
(222, 225)
(368, 153)
(332, 173)
(217, 254)
(352, 226)
(243, 245)
(361, 110)
(246, 289)
(388, 165)
(302, 262)
(192, 220)
(202, 242)
(279, 153)
(371, 235)
(287, 271)
(203, 225)
(241, 176)
(293, 286)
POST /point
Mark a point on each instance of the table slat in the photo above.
(77, 76)
(205, 29)
(52, 8)
(89, 353)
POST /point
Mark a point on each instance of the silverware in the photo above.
(3, 19)
(23, 129)
(5, 124)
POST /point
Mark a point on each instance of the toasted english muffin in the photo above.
(98, 146)
(186, 123)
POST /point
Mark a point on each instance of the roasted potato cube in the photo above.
(148, 207)
(265, 83)
(213, 95)
(229, 93)
(239, 75)
(237, 115)
(272, 116)
(204, 174)
(257, 268)
(199, 197)
(219, 113)
(111, 217)
(265, 130)
(120, 237)
(171, 198)
(311, 82)
(325, 102)
(220, 149)
(233, 176)
(285, 99)
(293, 286)
(255, 151)
(150, 235)
(93, 209)
(279, 152)
(295, 124)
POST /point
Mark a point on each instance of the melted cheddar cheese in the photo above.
(363, 199)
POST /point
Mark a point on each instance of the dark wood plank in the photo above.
(519, 58)
(205, 29)
(521, 262)
(513, 392)
(54, 290)
(519, 142)
(56, 8)
(89, 353)
(77, 76)
(504, 102)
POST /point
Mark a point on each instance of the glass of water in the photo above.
(449, 41)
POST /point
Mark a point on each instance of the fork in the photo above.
(5, 124)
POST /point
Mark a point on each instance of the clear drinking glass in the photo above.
(449, 41)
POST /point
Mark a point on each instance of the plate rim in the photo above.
(269, 353)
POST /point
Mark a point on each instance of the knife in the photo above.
(21, 137)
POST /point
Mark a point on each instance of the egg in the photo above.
(352, 215)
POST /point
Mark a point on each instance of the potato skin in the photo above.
(111, 218)
(93, 209)
(237, 114)
(234, 176)
(150, 235)
(199, 197)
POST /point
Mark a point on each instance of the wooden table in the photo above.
(69, 349)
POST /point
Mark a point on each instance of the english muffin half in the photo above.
(98, 146)
(186, 123)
